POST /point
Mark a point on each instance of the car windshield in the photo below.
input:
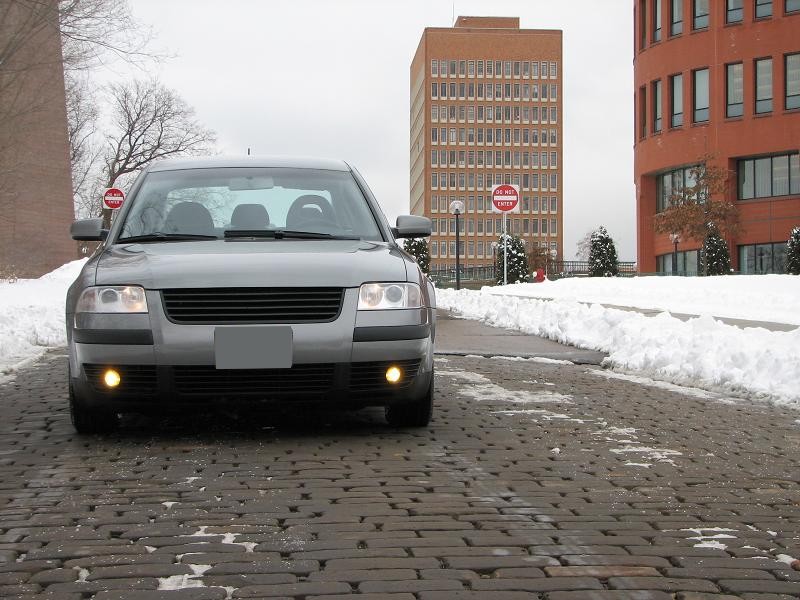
(200, 203)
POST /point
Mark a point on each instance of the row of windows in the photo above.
(757, 177)
(769, 257)
(484, 249)
(499, 136)
(763, 90)
(509, 114)
(651, 15)
(484, 226)
(516, 159)
(470, 180)
(769, 176)
(498, 91)
(488, 68)
(479, 204)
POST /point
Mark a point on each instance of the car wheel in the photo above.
(412, 414)
(89, 420)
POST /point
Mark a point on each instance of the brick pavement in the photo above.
(534, 481)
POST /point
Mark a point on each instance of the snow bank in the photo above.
(32, 315)
(700, 352)
(756, 297)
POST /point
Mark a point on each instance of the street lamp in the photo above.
(457, 209)
(674, 238)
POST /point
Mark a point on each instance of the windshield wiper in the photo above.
(280, 234)
(159, 236)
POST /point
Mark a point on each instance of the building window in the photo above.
(769, 176)
(656, 20)
(553, 227)
(734, 11)
(791, 6)
(734, 94)
(535, 70)
(792, 70)
(676, 17)
(763, 85)
(657, 103)
(700, 14)
(687, 263)
(435, 68)
(553, 204)
(643, 24)
(701, 100)
(763, 258)
(763, 8)
(671, 184)
(676, 100)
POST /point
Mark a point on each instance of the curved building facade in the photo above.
(718, 78)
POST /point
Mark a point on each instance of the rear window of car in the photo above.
(212, 201)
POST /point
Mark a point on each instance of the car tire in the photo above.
(87, 420)
(412, 414)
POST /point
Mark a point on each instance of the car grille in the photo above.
(204, 382)
(136, 381)
(370, 377)
(252, 305)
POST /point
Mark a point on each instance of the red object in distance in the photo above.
(113, 198)
(505, 198)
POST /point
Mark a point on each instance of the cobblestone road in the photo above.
(535, 480)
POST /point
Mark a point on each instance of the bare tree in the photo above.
(148, 122)
(583, 246)
(700, 204)
(85, 152)
(37, 39)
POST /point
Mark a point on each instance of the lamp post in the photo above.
(457, 209)
(674, 238)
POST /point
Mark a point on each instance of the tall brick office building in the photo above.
(486, 108)
(722, 78)
(36, 205)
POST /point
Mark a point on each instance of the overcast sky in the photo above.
(331, 78)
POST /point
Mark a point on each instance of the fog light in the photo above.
(111, 378)
(393, 374)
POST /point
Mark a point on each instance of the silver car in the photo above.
(250, 280)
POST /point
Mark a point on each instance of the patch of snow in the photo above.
(191, 479)
(179, 582)
(701, 352)
(633, 464)
(789, 560)
(754, 297)
(82, 575)
(555, 450)
(536, 359)
(150, 549)
(711, 544)
(32, 316)
(170, 504)
(657, 454)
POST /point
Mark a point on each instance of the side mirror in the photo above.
(411, 226)
(88, 230)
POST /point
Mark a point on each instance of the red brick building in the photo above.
(36, 205)
(486, 108)
(722, 78)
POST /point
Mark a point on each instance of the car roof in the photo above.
(214, 162)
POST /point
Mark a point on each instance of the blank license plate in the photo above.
(253, 347)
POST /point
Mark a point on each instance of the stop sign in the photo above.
(505, 198)
(113, 198)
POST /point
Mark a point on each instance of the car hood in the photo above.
(250, 263)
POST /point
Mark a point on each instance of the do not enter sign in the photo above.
(113, 198)
(505, 198)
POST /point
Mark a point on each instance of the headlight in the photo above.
(382, 296)
(112, 299)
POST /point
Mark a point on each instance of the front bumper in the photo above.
(164, 363)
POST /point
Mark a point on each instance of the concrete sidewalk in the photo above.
(463, 337)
